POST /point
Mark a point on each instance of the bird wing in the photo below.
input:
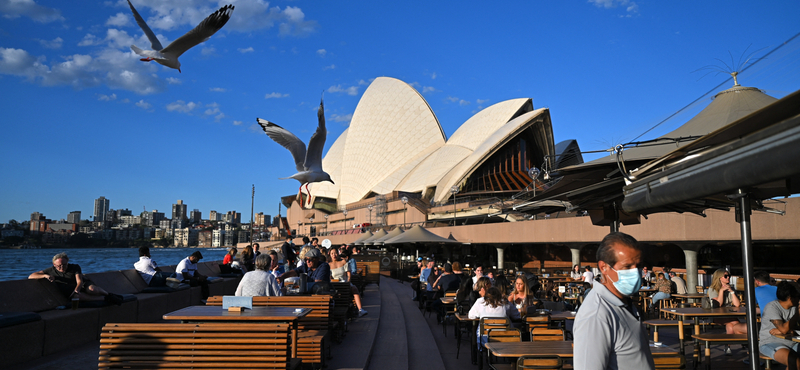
(202, 32)
(313, 160)
(154, 43)
(287, 140)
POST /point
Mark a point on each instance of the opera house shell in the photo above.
(395, 144)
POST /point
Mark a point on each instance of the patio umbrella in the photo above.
(397, 231)
(368, 241)
(419, 235)
(366, 236)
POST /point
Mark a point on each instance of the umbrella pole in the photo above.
(743, 217)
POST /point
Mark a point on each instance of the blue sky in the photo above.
(83, 117)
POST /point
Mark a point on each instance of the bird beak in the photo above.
(332, 182)
(179, 70)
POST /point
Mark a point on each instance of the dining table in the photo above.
(558, 348)
(696, 313)
(259, 314)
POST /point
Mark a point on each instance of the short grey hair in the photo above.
(263, 261)
(60, 256)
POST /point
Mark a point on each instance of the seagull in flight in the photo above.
(308, 162)
(168, 56)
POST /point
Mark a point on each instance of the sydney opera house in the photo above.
(502, 187)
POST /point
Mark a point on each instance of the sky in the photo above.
(82, 117)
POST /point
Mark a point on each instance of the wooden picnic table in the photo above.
(696, 313)
(558, 348)
(260, 314)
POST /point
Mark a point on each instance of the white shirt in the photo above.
(146, 268)
(480, 309)
(186, 266)
(258, 283)
(588, 277)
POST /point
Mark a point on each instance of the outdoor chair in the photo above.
(546, 334)
(504, 335)
(669, 361)
(540, 362)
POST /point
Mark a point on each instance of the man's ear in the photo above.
(602, 266)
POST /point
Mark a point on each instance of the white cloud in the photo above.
(463, 102)
(173, 81)
(103, 97)
(119, 20)
(109, 67)
(321, 52)
(481, 101)
(16, 8)
(352, 90)
(295, 24)
(217, 89)
(213, 110)
(182, 106)
(433, 76)
(256, 128)
(341, 118)
(246, 50)
(275, 95)
(332, 66)
(144, 105)
(208, 51)
(237, 123)
(452, 99)
(52, 44)
(630, 7)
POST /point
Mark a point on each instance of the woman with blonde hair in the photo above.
(724, 295)
(301, 257)
(521, 296)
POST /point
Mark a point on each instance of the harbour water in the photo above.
(19, 263)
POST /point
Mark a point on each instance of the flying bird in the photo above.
(308, 161)
(168, 56)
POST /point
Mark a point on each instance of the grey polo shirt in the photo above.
(609, 336)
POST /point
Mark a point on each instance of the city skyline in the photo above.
(84, 118)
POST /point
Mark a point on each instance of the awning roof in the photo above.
(417, 234)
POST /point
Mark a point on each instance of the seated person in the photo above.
(588, 275)
(148, 269)
(491, 304)
(69, 280)
(313, 266)
(187, 269)
(664, 290)
(778, 320)
(678, 284)
(521, 297)
(447, 281)
(765, 293)
(259, 282)
(721, 292)
(276, 268)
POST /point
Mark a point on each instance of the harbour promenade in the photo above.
(395, 335)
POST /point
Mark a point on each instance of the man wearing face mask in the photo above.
(608, 330)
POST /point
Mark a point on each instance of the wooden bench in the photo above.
(659, 323)
(313, 329)
(708, 339)
(217, 345)
(371, 271)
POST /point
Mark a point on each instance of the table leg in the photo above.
(473, 344)
(294, 339)
(681, 336)
(696, 352)
(655, 334)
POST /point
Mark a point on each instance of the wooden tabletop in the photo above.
(689, 295)
(699, 312)
(561, 349)
(461, 317)
(217, 313)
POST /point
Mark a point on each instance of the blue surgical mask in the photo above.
(629, 281)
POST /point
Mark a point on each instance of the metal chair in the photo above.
(546, 334)
(504, 335)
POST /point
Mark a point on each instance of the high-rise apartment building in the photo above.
(213, 216)
(74, 217)
(262, 219)
(100, 209)
(179, 211)
(38, 223)
(195, 216)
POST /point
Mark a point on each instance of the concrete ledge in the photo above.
(21, 343)
(65, 329)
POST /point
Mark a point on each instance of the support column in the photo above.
(500, 249)
(743, 217)
(691, 269)
(576, 256)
